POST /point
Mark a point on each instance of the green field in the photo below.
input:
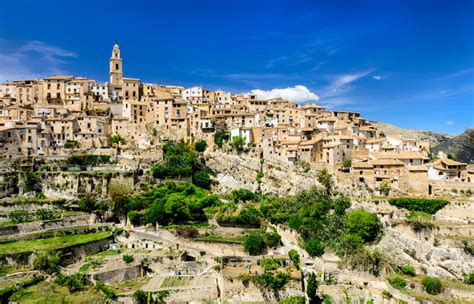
(52, 243)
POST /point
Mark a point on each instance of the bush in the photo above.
(128, 258)
(187, 232)
(47, 261)
(432, 285)
(292, 300)
(87, 203)
(314, 248)
(419, 220)
(271, 239)
(106, 290)
(202, 179)
(46, 214)
(312, 289)
(295, 257)
(408, 270)
(134, 217)
(243, 195)
(140, 297)
(364, 224)
(469, 278)
(75, 282)
(254, 244)
(20, 216)
(430, 206)
(200, 145)
(87, 160)
(238, 143)
(220, 137)
(397, 282)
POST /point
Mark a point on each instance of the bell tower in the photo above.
(116, 72)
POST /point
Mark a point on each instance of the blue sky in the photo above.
(410, 63)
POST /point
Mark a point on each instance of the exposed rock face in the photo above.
(462, 146)
(421, 251)
(240, 171)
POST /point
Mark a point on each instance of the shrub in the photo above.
(140, 297)
(106, 290)
(312, 288)
(128, 258)
(468, 247)
(469, 278)
(314, 247)
(419, 220)
(432, 285)
(134, 217)
(46, 214)
(200, 145)
(47, 261)
(326, 180)
(87, 160)
(364, 224)
(292, 300)
(295, 257)
(408, 270)
(202, 179)
(254, 244)
(87, 203)
(117, 140)
(430, 206)
(20, 216)
(71, 144)
(243, 195)
(270, 264)
(397, 282)
(220, 137)
(271, 239)
(238, 143)
(30, 180)
(75, 282)
(187, 232)
(384, 187)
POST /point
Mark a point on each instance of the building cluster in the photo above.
(51, 117)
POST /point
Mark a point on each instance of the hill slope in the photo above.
(462, 146)
(434, 138)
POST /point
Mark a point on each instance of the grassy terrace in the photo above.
(222, 239)
(52, 243)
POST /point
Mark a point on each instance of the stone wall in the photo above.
(70, 185)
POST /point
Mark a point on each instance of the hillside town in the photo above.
(56, 116)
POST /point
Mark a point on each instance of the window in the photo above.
(116, 66)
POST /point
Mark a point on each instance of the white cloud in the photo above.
(450, 122)
(345, 79)
(31, 60)
(378, 77)
(342, 83)
(298, 93)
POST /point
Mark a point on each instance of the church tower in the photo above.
(116, 72)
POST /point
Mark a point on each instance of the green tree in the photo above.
(200, 145)
(325, 179)
(254, 244)
(384, 187)
(220, 137)
(295, 257)
(238, 143)
(346, 164)
(314, 247)
(117, 140)
(120, 194)
(202, 179)
(140, 297)
(134, 217)
(364, 224)
(312, 288)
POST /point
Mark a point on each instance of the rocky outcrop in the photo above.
(235, 171)
(462, 146)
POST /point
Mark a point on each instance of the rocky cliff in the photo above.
(462, 146)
